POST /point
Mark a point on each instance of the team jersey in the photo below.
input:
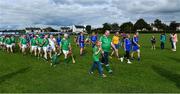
(24, 41)
(40, 42)
(115, 40)
(163, 38)
(65, 44)
(13, 39)
(96, 56)
(8, 41)
(81, 39)
(135, 41)
(46, 42)
(1, 39)
(106, 43)
(127, 44)
(93, 38)
(58, 41)
(33, 42)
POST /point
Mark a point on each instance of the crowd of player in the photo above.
(50, 48)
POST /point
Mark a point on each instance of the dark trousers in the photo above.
(172, 45)
(105, 57)
(127, 55)
(162, 45)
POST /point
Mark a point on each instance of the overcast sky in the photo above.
(17, 14)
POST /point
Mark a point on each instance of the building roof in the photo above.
(65, 28)
(79, 26)
(32, 28)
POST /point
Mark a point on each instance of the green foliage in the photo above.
(127, 26)
(141, 24)
(88, 29)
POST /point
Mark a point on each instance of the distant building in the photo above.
(33, 30)
(65, 29)
(78, 28)
(178, 27)
(154, 28)
(144, 29)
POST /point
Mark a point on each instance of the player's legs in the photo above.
(45, 52)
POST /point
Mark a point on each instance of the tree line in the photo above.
(140, 25)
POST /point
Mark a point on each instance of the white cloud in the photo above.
(21, 13)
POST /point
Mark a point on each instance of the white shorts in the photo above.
(45, 49)
(0, 43)
(24, 46)
(39, 48)
(9, 46)
(33, 48)
(52, 48)
(13, 44)
(65, 52)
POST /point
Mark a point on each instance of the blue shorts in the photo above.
(135, 48)
(116, 46)
(81, 45)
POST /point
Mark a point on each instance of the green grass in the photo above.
(159, 71)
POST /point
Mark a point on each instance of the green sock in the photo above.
(108, 68)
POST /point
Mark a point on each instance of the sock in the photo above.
(108, 68)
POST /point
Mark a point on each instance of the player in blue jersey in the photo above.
(93, 39)
(81, 40)
(135, 46)
(127, 49)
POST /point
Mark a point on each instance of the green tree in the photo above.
(107, 26)
(88, 29)
(141, 24)
(127, 27)
(173, 25)
(115, 26)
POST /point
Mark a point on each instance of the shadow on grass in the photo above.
(175, 59)
(168, 75)
(10, 75)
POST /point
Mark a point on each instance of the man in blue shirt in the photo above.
(135, 46)
(127, 48)
(58, 39)
(81, 39)
(93, 39)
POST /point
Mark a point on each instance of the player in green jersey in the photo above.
(96, 62)
(33, 45)
(66, 48)
(23, 44)
(8, 44)
(45, 46)
(106, 45)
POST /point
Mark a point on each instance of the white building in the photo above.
(154, 28)
(65, 29)
(33, 30)
(78, 28)
(178, 28)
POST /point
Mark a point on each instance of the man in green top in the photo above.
(66, 48)
(96, 62)
(106, 45)
(23, 44)
(13, 42)
(1, 41)
(45, 46)
(39, 45)
(33, 44)
(8, 44)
